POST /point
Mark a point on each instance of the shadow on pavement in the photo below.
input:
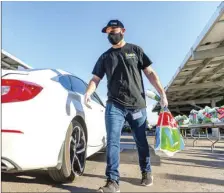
(133, 181)
(207, 156)
(41, 177)
(203, 163)
(185, 164)
(72, 188)
(127, 156)
(36, 177)
(202, 151)
(193, 179)
(136, 181)
(123, 140)
(198, 153)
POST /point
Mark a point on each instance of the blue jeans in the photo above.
(115, 117)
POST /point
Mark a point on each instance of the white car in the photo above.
(45, 124)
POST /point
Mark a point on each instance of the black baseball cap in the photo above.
(113, 23)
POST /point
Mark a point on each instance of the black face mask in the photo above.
(115, 38)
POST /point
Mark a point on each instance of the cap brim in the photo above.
(104, 29)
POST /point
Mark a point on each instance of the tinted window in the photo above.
(65, 82)
(78, 85)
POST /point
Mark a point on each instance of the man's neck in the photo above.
(120, 44)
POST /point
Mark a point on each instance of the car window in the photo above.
(65, 82)
(78, 85)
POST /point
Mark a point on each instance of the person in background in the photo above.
(123, 64)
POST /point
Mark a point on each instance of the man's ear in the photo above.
(123, 30)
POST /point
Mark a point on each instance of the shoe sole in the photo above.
(148, 184)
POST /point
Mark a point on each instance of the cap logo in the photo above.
(113, 23)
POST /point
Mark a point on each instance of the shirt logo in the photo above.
(129, 56)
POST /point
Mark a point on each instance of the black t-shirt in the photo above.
(123, 67)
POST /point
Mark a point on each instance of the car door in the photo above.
(99, 104)
(93, 115)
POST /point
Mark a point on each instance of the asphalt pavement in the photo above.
(195, 169)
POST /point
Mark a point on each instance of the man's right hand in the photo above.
(87, 100)
(93, 83)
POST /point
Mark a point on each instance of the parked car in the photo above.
(45, 124)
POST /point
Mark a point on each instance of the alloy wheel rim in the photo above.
(77, 150)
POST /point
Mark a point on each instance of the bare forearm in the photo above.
(93, 83)
(91, 87)
(154, 80)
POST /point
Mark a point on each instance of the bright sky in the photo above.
(67, 35)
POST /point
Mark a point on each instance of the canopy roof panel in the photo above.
(199, 81)
(9, 61)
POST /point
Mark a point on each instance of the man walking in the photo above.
(123, 64)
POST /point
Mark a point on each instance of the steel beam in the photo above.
(211, 53)
(188, 67)
(181, 94)
(194, 105)
(180, 109)
(220, 78)
(221, 21)
(179, 112)
(202, 93)
(219, 93)
(213, 103)
(196, 86)
(197, 70)
(209, 92)
(197, 101)
(7, 65)
(218, 68)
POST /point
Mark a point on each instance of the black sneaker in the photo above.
(111, 186)
(147, 179)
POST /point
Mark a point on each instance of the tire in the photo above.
(74, 155)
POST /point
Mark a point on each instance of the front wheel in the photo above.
(74, 155)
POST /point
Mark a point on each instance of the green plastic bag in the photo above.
(168, 139)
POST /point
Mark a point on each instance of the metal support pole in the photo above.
(215, 131)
